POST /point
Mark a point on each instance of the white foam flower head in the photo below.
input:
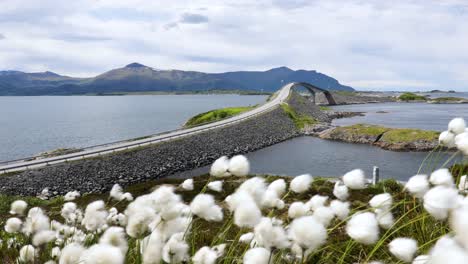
(457, 126)
(70, 196)
(115, 236)
(403, 248)
(257, 255)
(447, 250)
(127, 197)
(207, 255)
(95, 216)
(35, 221)
(439, 200)
(13, 225)
(363, 227)
(204, 206)
(246, 238)
(461, 142)
(421, 259)
(239, 166)
(301, 183)
(269, 233)
(384, 218)
(71, 253)
(382, 201)
(187, 185)
(176, 249)
(459, 224)
(27, 254)
(317, 201)
(151, 248)
(298, 209)
(355, 179)
(307, 233)
(341, 191)
(270, 199)
(116, 192)
(442, 177)
(220, 167)
(247, 213)
(447, 139)
(216, 186)
(55, 253)
(102, 253)
(340, 209)
(255, 187)
(18, 207)
(463, 184)
(418, 185)
(43, 237)
(278, 186)
(324, 215)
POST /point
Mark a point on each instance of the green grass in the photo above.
(448, 99)
(325, 108)
(216, 115)
(300, 121)
(363, 130)
(411, 97)
(409, 135)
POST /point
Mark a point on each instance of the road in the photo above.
(20, 165)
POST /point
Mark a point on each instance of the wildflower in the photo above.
(187, 185)
(341, 191)
(421, 259)
(384, 218)
(439, 200)
(246, 238)
(247, 215)
(363, 228)
(457, 126)
(239, 166)
(50, 262)
(44, 195)
(115, 236)
(307, 233)
(317, 201)
(458, 223)
(324, 215)
(220, 167)
(216, 186)
(70, 196)
(418, 185)
(442, 177)
(447, 139)
(116, 192)
(383, 201)
(301, 183)
(257, 256)
(127, 197)
(18, 207)
(340, 209)
(271, 199)
(95, 216)
(355, 179)
(102, 253)
(27, 254)
(13, 225)
(68, 212)
(447, 250)
(71, 253)
(176, 249)
(269, 233)
(278, 186)
(55, 253)
(204, 206)
(43, 237)
(255, 187)
(207, 255)
(35, 221)
(461, 141)
(462, 185)
(298, 209)
(151, 248)
(403, 248)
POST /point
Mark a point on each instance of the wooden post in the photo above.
(375, 175)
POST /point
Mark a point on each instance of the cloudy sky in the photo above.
(385, 45)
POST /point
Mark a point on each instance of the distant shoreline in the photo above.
(209, 92)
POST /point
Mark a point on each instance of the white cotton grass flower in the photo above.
(459, 224)
(463, 184)
(421, 259)
(220, 167)
(43, 237)
(13, 225)
(341, 191)
(102, 253)
(317, 201)
(363, 227)
(207, 255)
(18, 207)
(151, 248)
(216, 186)
(95, 217)
(71, 253)
(382, 201)
(257, 255)
(176, 249)
(278, 186)
(301, 183)
(461, 142)
(187, 185)
(340, 209)
(271, 200)
(27, 254)
(115, 236)
(307, 233)
(269, 233)
(442, 177)
(247, 214)
(35, 221)
(355, 179)
(384, 218)
(447, 250)
(246, 238)
(55, 253)
(324, 215)
(204, 206)
(418, 185)
(447, 139)
(439, 200)
(127, 197)
(298, 209)
(71, 196)
(457, 126)
(239, 166)
(403, 248)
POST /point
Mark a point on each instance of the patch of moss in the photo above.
(216, 115)
(409, 135)
(411, 97)
(300, 121)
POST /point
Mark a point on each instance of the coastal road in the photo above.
(30, 163)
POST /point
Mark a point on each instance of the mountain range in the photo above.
(136, 77)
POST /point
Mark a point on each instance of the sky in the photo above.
(369, 45)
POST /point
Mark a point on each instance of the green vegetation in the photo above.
(299, 120)
(346, 93)
(362, 130)
(411, 97)
(325, 108)
(216, 115)
(398, 135)
(58, 152)
(447, 99)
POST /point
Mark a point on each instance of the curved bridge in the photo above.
(316, 90)
(36, 162)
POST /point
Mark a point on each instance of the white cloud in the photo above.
(367, 44)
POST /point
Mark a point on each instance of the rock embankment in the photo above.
(343, 98)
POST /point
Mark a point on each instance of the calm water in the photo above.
(30, 125)
(408, 115)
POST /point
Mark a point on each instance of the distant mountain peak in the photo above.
(280, 69)
(136, 65)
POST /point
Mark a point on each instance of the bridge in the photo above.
(280, 97)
